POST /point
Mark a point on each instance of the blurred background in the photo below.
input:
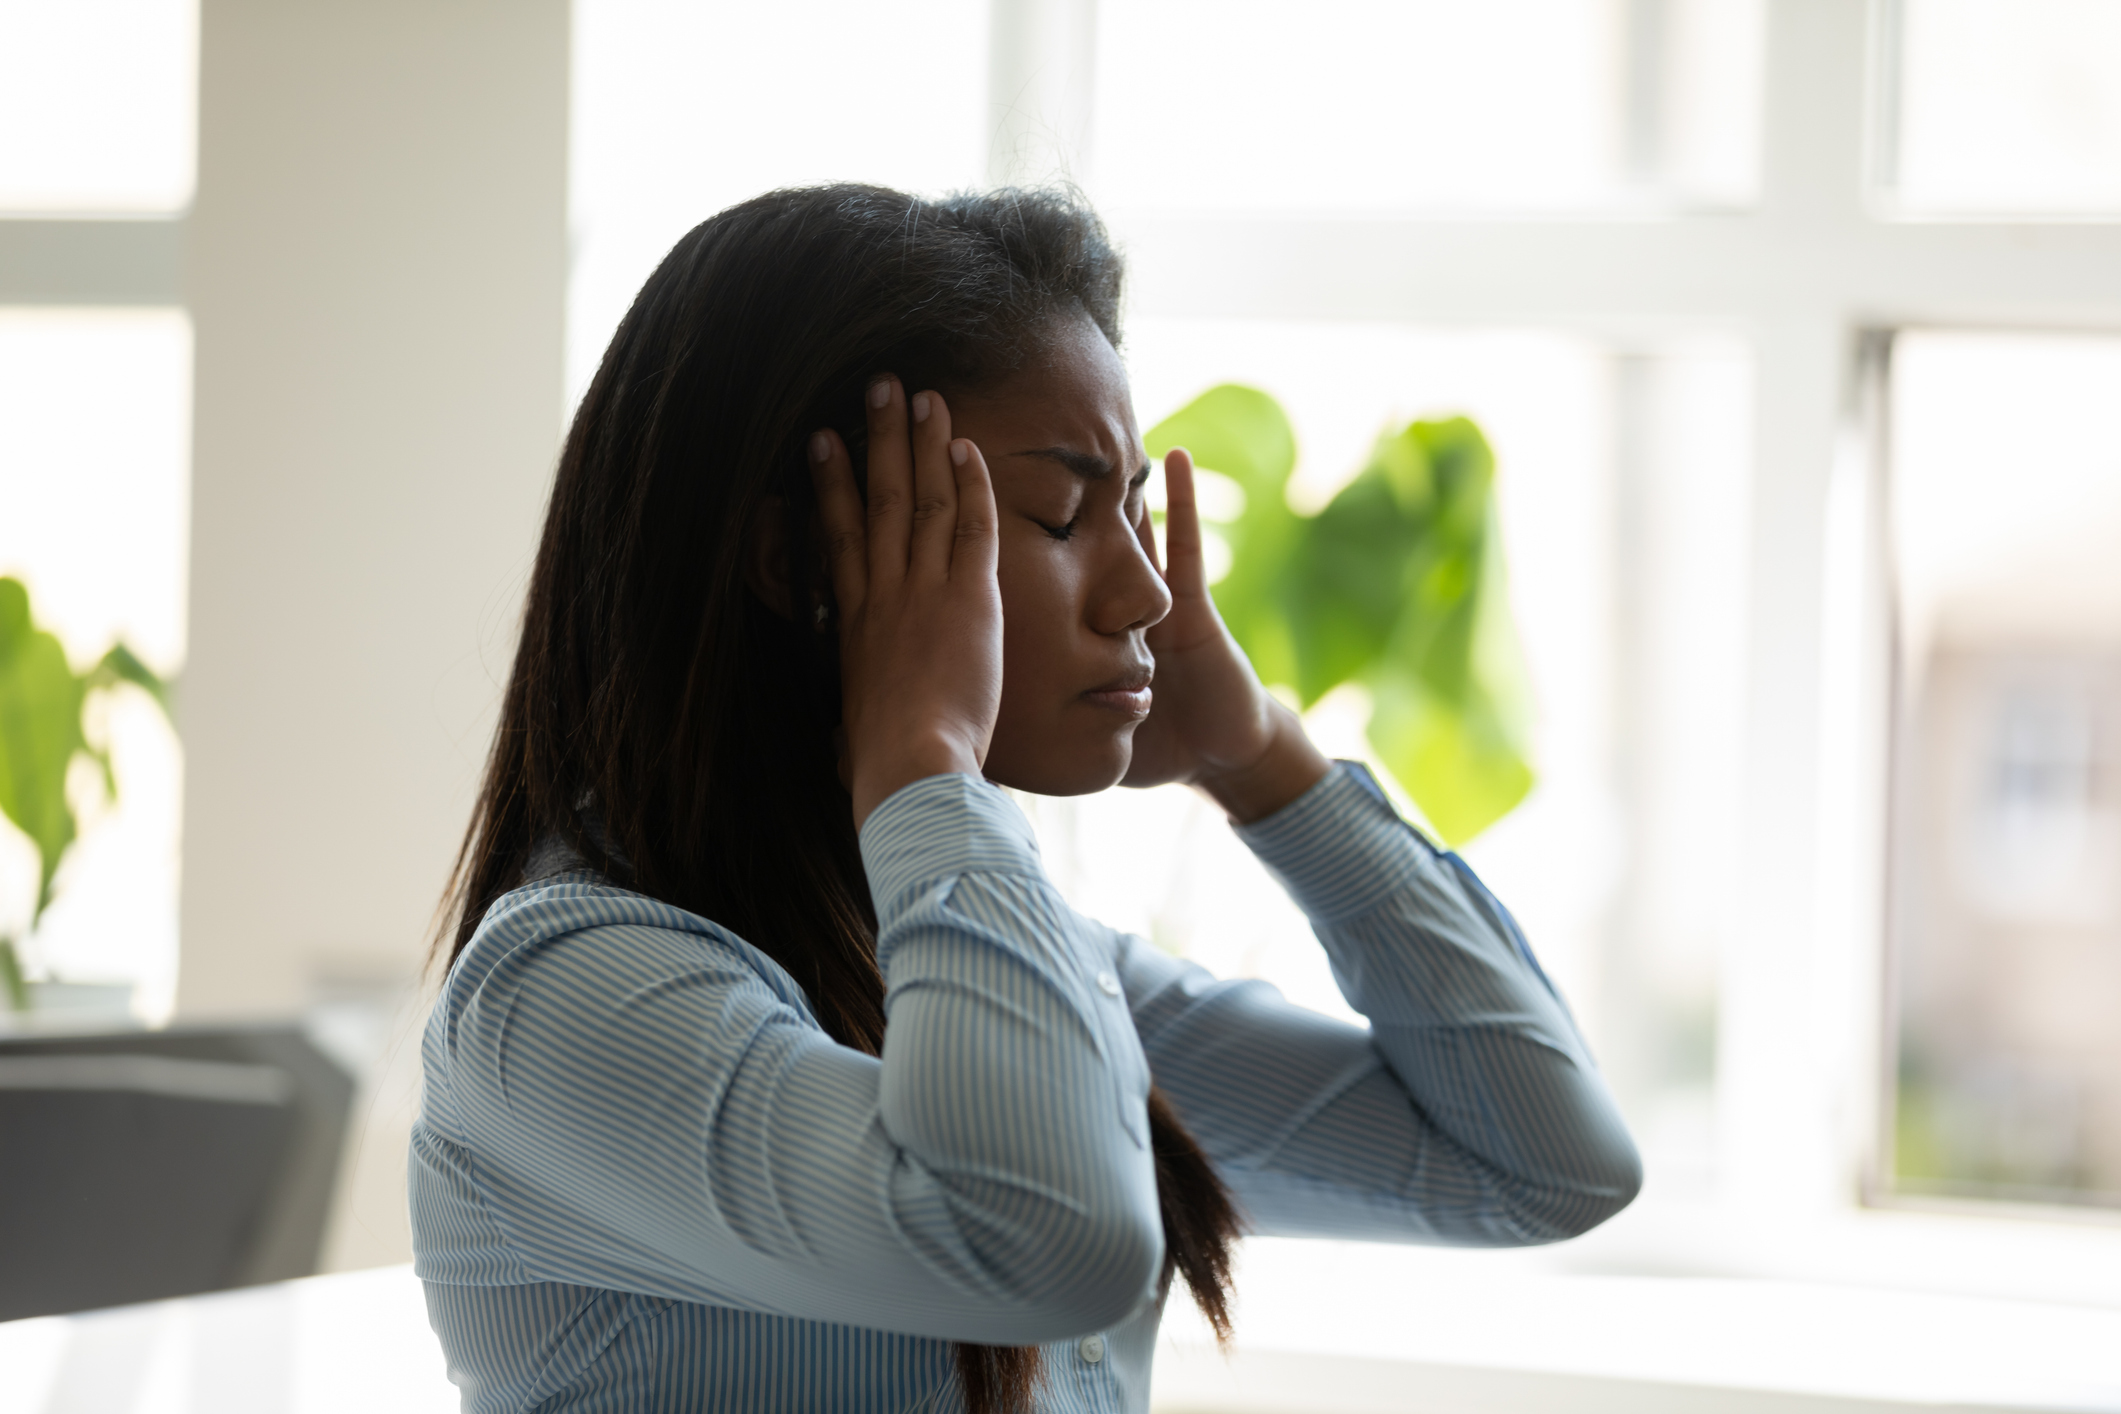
(1795, 326)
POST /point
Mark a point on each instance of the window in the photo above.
(2008, 106)
(1622, 482)
(674, 120)
(98, 105)
(95, 443)
(2006, 813)
(1425, 105)
(97, 132)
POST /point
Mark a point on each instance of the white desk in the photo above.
(359, 1343)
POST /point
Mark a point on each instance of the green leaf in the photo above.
(1461, 761)
(1359, 561)
(14, 613)
(119, 665)
(1398, 584)
(1402, 463)
(1452, 713)
(1346, 586)
(14, 987)
(40, 730)
(1243, 433)
(1238, 431)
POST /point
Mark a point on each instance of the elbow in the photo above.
(1086, 1270)
(1603, 1183)
(1042, 1251)
(1617, 1172)
(1108, 1264)
(1616, 1186)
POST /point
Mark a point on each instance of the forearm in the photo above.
(1460, 1014)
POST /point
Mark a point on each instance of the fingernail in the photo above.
(880, 392)
(920, 407)
(820, 447)
(959, 451)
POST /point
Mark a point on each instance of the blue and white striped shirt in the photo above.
(645, 1178)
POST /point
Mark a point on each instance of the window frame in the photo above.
(1817, 274)
(1887, 669)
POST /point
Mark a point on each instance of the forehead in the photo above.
(1072, 393)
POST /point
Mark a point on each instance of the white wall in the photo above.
(376, 266)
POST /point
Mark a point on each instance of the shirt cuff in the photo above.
(938, 828)
(1340, 849)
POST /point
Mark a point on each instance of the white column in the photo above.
(376, 268)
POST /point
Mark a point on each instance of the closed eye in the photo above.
(1063, 532)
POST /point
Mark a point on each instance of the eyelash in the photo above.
(1067, 532)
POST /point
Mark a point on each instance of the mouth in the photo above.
(1128, 694)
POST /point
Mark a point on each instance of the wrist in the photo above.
(1288, 767)
(885, 774)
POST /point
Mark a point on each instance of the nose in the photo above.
(1129, 594)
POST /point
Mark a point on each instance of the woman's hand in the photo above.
(1212, 726)
(920, 612)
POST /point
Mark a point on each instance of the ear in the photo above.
(766, 557)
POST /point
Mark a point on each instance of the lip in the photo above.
(1127, 694)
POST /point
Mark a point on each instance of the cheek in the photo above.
(1041, 608)
(1044, 741)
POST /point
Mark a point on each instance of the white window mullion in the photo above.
(1775, 1077)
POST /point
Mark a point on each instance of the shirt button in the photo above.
(1109, 985)
(1093, 1348)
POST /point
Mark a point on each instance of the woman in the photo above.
(849, 527)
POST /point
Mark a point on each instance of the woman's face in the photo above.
(1078, 592)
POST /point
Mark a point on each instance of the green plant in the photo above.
(42, 704)
(1397, 585)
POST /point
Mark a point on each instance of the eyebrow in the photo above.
(1086, 465)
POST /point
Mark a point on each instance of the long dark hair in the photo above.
(651, 682)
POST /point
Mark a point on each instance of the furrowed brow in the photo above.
(1086, 465)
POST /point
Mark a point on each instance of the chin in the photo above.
(1059, 765)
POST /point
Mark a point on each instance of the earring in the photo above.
(820, 615)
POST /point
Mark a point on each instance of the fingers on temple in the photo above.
(978, 534)
(890, 481)
(839, 508)
(1181, 523)
(934, 486)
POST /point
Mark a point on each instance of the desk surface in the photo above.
(1468, 1345)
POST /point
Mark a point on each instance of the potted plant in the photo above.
(1397, 585)
(43, 707)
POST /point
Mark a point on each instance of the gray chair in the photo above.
(142, 1165)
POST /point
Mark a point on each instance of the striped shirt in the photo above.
(644, 1178)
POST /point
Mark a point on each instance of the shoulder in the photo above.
(582, 935)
